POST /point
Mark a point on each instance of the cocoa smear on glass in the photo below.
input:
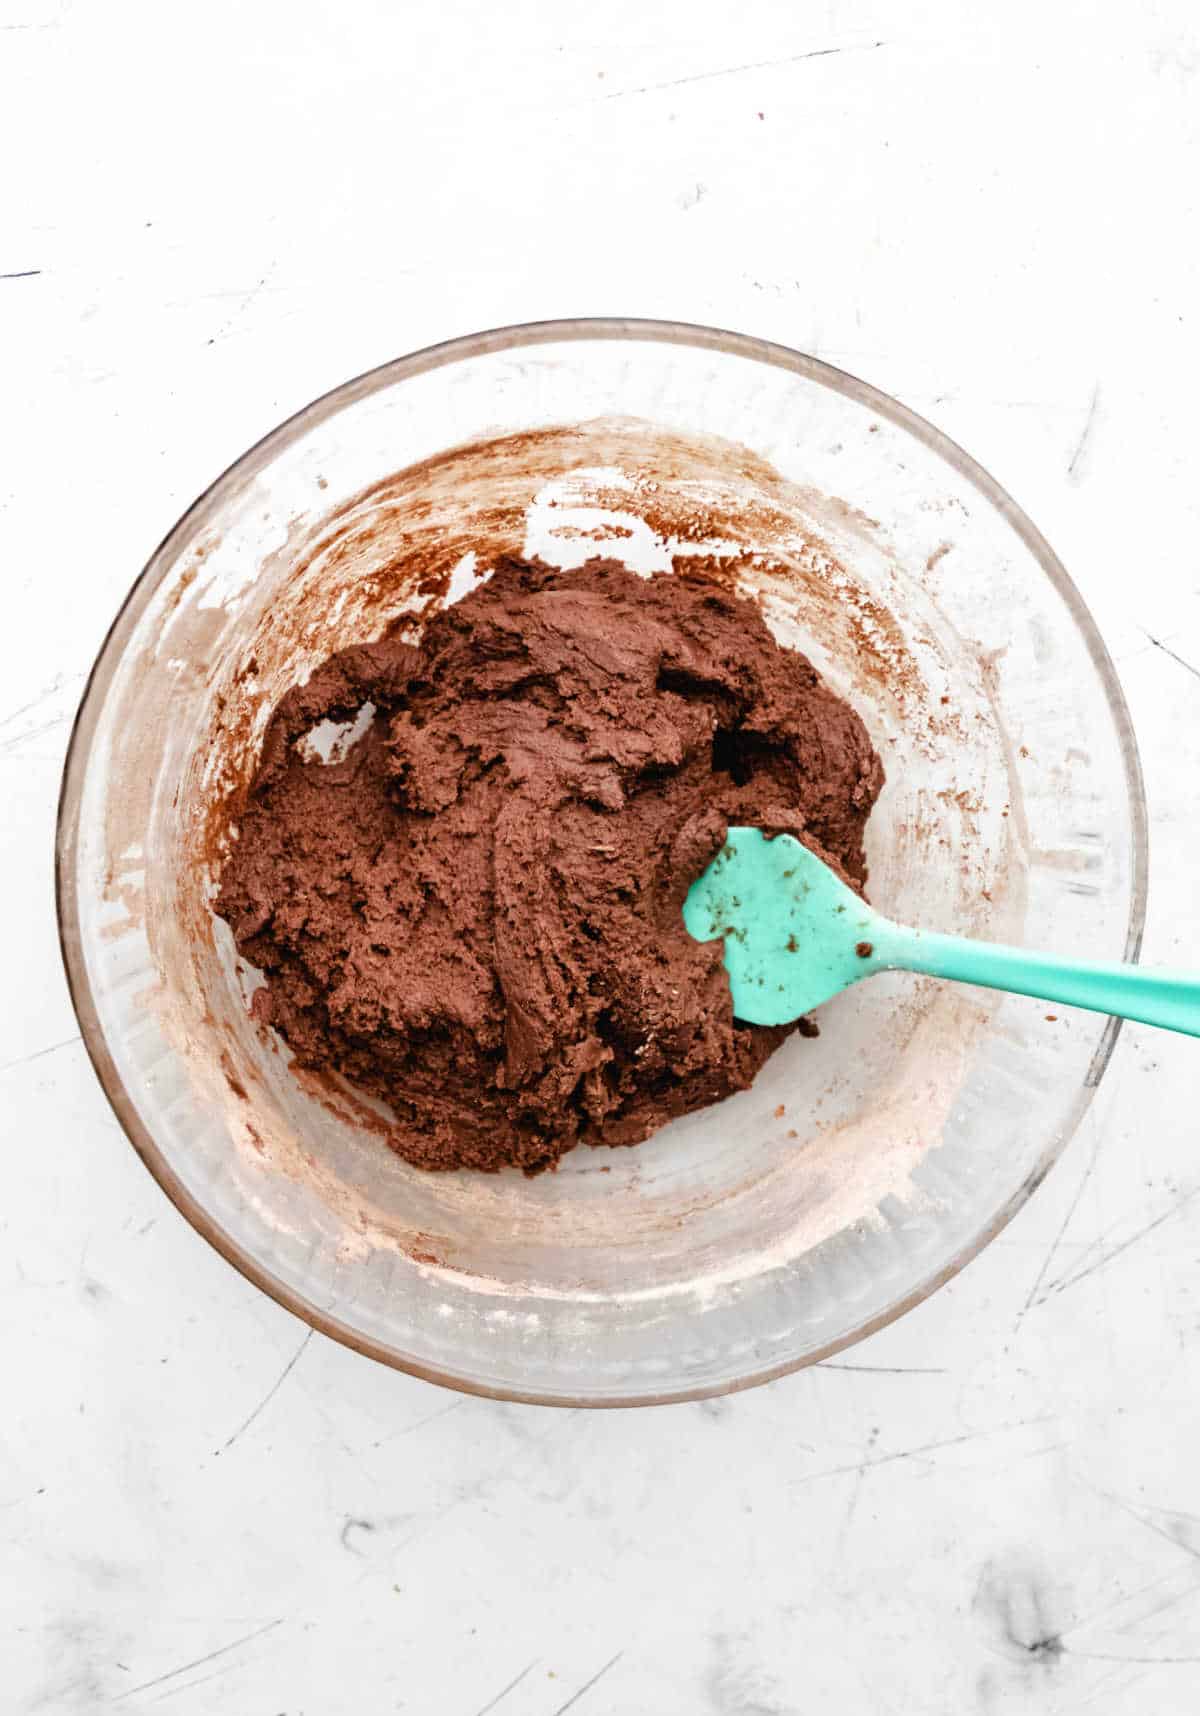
(475, 914)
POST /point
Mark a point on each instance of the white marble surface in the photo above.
(212, 213)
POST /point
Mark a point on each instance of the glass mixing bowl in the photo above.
(864, 1168)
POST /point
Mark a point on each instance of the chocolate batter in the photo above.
(475, 913)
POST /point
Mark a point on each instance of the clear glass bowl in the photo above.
(864, 1168)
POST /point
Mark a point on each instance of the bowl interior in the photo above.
(864, 1166)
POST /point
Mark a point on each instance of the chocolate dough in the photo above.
(475, 912)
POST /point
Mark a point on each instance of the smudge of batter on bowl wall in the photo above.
(826, 583)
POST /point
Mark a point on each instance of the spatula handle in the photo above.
(1131, 991)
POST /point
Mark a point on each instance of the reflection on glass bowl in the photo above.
(864, 1168)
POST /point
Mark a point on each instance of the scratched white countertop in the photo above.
(210, 214)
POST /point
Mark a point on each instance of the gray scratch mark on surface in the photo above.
(736, 71)
(20, 273)
(885, 1369)
(1075, 470)
(1058, 1238)
(411, 1429)
(1033, 1454)
(1115, 1251)
(1167, 650)
(203, 1679)
(505, 1690)
(923, 1448)
(1093, 1245)
(354, 1525)
(59, 680)
(241, 309)
(16, 739)
(38, 1054)
(1143, 1519)
(1085, 1253)
(587, 1687)
(1188, 1595)
(1111, 1656)
(174, 1673)
(269, 1396)
(852, 1504)
(1126, 1598)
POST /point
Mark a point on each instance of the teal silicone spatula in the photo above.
(796, 935)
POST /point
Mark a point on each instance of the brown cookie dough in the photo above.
(475, 913)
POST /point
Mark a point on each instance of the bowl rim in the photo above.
(242, 471)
